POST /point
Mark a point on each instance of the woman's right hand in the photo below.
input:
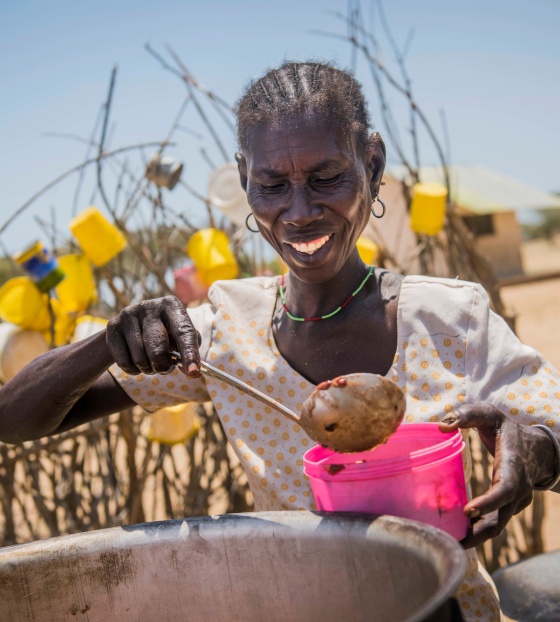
(142, 336)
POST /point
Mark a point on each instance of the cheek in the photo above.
(356, 206)
(357, 215)
(266, 218)
(354, 191)
(262, 203)
(266, 208)
(265, 215)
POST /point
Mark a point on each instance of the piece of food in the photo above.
(353, 413)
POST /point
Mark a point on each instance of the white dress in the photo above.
(451, 349)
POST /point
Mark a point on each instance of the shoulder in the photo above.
(246, 296)
(428, 286)
(238, 288)
(443, 304)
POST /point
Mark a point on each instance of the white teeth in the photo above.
(312, 247)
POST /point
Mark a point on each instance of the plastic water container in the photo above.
(417, 474)
(189, 287)
(77, 291)
(87, 326)
(212, 256)
(175, 424)
(225, 193)
(99, 239)
(41, 265)
(22, 304)
(368, 250)
(18, 347)
(427, 211)
(64, 323)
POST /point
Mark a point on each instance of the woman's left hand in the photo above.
(523, 457)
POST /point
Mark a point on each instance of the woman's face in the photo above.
(310, 189)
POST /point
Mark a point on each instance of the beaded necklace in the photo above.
(323, 317)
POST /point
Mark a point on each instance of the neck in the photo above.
(318, 299)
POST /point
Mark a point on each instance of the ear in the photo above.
(376, 155)
(242, 168)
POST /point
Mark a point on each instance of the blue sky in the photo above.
(492, 66)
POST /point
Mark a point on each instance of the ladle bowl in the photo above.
(353, 413)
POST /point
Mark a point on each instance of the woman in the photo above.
(312, 172)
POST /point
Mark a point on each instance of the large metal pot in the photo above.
(273, 566)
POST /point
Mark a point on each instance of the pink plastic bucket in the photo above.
(417, 474)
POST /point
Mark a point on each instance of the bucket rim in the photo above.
(333, 457)
(357, 472)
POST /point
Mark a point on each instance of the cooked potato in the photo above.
(353, 413)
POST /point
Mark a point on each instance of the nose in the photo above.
(301, 210)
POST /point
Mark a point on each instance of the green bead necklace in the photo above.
(323, 317)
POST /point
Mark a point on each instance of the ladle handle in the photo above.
(209, 370)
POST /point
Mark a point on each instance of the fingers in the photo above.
(488, 526)
(156, 344)
(124, 338)
(513, 475)
(135, 343)
(511, 482)
(487, 419)
(140, 336)
(499, 495)
(481, 416)
(493, 523)
(511, 491)
(184, 334)
(119, 349)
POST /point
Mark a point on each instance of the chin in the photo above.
(314, 274)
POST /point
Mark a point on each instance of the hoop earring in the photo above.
(373, 213)
(247, 223)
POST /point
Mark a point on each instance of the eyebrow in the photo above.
(275, 174)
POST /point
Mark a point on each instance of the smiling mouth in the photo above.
(311, 247)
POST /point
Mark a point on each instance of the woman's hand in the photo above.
(141, 337)
(523, 457)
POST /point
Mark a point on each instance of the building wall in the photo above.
(503, 247)
(393, 233)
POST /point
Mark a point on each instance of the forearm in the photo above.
(36, 401)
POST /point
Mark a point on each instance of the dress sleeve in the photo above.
(500, 370)
(156, 391)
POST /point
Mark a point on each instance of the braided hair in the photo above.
(308, 88)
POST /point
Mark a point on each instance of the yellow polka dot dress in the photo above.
(451, 350)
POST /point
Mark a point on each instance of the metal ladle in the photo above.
(213, 372)
(351, 413)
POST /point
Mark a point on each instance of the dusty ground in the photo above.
(537, 306)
